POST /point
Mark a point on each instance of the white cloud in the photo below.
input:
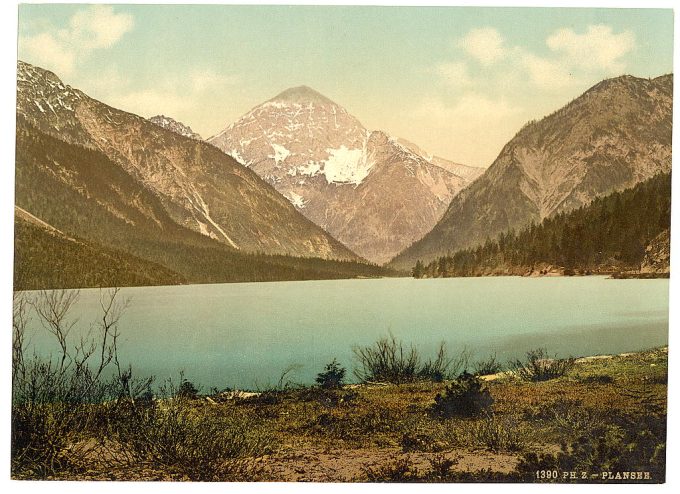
(484, 44)
(547, 73)
(207, 79)
(97, 26)
(454, 73)
(93, 28)
(573, 59)
(596, 49)
(46, 50)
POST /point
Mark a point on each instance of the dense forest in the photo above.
(607, 236)
(125, 236)
(45, 260)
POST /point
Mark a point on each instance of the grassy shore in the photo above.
(603, 421)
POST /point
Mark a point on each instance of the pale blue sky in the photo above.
(459, 82)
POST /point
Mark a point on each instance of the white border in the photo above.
(8, 32)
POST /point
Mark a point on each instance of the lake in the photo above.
(244, 335)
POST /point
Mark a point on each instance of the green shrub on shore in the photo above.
(332, 377)
(496, 434)
(466, 396)
(197, 442)
(187, 389)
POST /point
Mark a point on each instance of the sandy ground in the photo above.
(347, 465)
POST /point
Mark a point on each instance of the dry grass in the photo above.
(331, 434)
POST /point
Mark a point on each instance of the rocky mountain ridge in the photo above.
(175, 126)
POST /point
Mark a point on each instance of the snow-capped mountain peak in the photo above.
(343, 177)
(297, 135)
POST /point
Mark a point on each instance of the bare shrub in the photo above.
(539, 366)
(488, 366)
(53, 398)
(389, 360)
(192, 440)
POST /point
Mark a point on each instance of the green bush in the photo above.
(496, 434)
(332, 376)
(187, 389)
(466, 396)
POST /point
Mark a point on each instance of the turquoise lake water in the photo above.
(244, 335)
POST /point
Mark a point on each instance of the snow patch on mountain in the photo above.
(235, 154)
(310, 169)
(346, 166)
(280, 153)
(296, 199)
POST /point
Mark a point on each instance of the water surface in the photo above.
(246, 334)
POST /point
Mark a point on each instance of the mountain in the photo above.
(175, 126)
(615, 135)
(469, 173)
(657, 258)
(624, 232)
(365, 188)
(46, 258)
(91, 234)
(161, 177)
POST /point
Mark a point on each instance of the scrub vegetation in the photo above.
(79, 414)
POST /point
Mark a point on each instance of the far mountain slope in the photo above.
(469, 173)
(614, 136)
(367, 189)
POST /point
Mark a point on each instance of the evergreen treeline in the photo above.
(608, 235)
(45, 260)
(84, 194)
